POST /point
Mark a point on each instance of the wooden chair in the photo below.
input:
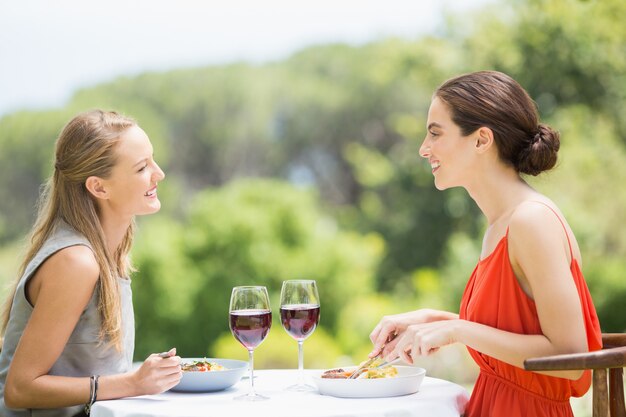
(607, 401)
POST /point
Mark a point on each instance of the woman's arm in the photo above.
(60, 291)
(540, 255)
(538, 247)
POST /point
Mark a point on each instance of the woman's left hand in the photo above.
(426, 338)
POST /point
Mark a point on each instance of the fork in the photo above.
(363, 367)
(387, 363)
(367, 363)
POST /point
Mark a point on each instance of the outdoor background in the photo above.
(303, 163)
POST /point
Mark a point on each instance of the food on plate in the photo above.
(384, 372)
(368, 373)
(201, 366)
(336, 374)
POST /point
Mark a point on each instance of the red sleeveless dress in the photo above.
(494, 297)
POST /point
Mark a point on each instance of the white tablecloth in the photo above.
(436, 398)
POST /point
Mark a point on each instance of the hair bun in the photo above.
(541, 153)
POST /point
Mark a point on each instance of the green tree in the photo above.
(249, 232)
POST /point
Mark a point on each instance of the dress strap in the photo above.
(571, 252)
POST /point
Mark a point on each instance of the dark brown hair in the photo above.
(495, 100)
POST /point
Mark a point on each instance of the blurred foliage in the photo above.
(280, 351)
(249, 232)
(351, 205)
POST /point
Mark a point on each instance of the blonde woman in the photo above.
(68, 325)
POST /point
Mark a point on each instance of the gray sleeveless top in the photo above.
(84, 354)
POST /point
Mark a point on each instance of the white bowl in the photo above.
(407, 381)
(193, 381)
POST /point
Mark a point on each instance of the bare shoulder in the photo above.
(536, 227)
(534, 217)
(75, 265)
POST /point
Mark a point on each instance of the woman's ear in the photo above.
(96, 187)
(484, 139)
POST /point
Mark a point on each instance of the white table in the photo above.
(436, 398)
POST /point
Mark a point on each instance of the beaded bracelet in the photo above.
(93, 392)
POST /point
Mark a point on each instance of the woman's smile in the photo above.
(152, 192)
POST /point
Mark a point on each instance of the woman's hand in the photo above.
(426, 338)
(158, 374)
(389, 330)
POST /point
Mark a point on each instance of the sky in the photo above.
(49, 49)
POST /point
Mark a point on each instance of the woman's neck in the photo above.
(498, 192)
(114, 231)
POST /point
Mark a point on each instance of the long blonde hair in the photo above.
(85, 147)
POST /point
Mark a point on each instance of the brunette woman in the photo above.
(527, 296)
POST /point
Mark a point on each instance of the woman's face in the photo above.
(449, 153)
(132, 185)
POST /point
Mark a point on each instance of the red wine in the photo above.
(250, 326)
(300, 319)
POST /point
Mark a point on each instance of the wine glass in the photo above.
(250, 321)
(299, 314)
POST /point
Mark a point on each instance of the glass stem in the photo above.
(300, 362)
(251, 366)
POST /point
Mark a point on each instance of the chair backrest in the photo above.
(607, 365)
